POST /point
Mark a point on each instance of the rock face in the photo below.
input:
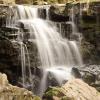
(73, 90)
(8, 57)
(90, 74)
(88, 24)
(56, 13)
(40, 2)
(9, 62)
(91, 36)
(9, 92)
(7, 1)
(10, 52)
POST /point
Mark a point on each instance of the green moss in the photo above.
(65, 98)
(52, 92)
(36, 98)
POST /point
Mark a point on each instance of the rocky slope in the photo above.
(90, 74)
(73, 90)
(9, 92)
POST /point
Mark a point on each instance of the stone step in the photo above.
(8, 28)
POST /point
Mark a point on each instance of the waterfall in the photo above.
(57, 54)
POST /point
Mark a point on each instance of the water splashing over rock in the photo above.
(57, 54)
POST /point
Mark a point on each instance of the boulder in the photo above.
(88, 73)
(9, 92)
(74, 89)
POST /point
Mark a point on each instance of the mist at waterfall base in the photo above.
(57, 54)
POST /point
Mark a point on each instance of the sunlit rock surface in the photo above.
(7, 1)
(40, 2)
(9, 92)
(73, 90)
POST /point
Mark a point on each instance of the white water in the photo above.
(25, 61)
(53, 49)
(75, 32)
(57, 54)
(60, 74)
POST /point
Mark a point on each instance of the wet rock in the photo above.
(10, 29)
(56, 13)
(90, 74)
(89, 78)
(89, 27)
(76, 73)
(42, 13)
(3, 14)
(51, 80)
(89, 52)
(9, 62)
(88, 24)
(72, 90)
(93, 69)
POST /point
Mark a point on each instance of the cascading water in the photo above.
(25, 59)
(73, 23)
(57, 54)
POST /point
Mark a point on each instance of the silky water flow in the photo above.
(57, 54)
